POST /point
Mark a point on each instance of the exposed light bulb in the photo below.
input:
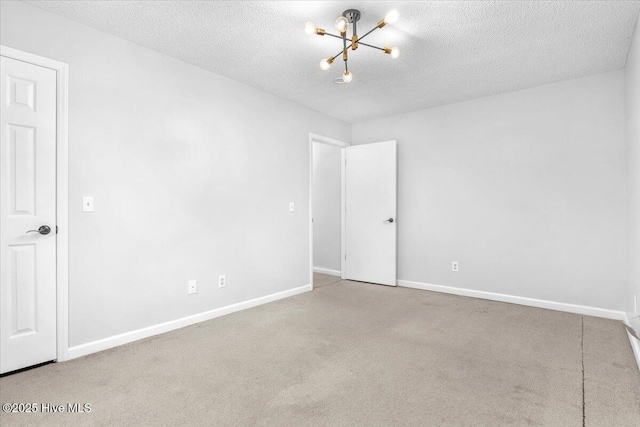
(391, 17)
(341, 24)
(395, 52)
(309, 28)
(325, 64)
(347, 76)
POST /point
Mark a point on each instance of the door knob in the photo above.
(44, 229)
(388, 221)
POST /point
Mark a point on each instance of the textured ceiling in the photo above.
(451, 51)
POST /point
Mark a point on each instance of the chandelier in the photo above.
(352, 16)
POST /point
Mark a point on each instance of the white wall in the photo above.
(327, 199)
(526, 190)
(632, 104)
(191, 172)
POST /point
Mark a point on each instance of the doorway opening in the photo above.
(352, 212)
(326, 210)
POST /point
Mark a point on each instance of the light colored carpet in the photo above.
(320, 280)
(351, 354)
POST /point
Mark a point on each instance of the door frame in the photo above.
(341, 145)
(62, 190)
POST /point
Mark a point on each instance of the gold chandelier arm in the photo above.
(345, 56)
(340, 53)
(359, 37)
(359, 41)
(369, 32)
(333, 35)
(370, 45)
(349, 47)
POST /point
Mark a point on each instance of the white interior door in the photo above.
(371, 213)
(27, 202)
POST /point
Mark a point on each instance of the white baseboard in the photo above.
(323, 270)
(635, 344)
(127, 337)
(551, 305)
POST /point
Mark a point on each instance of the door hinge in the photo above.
(56, 229)
(345, 256)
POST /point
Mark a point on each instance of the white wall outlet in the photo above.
(87, 204)
(192, 287)
(454, 266)
(222, 281)
(291, 207)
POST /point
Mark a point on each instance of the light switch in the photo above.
(87, 204)
(291, 207)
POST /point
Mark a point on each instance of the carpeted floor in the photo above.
(351, 354)
(320, 280)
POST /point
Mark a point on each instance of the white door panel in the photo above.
(371, 213)
(27, 202)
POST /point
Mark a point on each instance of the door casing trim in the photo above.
(62, 190)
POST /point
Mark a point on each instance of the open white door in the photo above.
(28, 215)
(371, 213)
